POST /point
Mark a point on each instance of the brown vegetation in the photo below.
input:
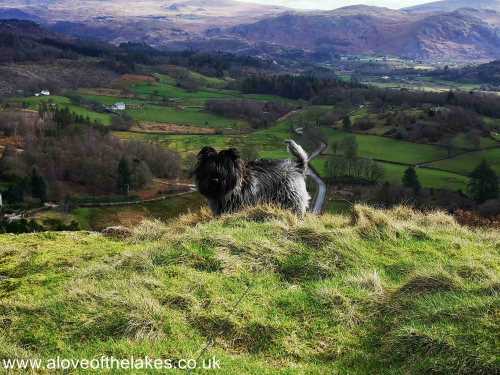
(154, 127)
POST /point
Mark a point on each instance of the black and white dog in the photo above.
(231, 184)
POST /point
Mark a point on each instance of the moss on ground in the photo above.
(385, 292)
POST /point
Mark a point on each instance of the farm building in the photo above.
(119, 107)
(43, 93)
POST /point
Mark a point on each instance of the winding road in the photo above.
(319, 201)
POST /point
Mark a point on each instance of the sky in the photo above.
(332, 4)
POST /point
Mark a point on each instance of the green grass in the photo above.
(171, 91)
(465, 164)
(167, 89)
(387, 149)
(110, 100)
(208, 81)
(98, 218)
(187, 116)
(184, 144)
(463, 141)
(383, 292)
(429, 178)
(270, 142)
(62, 102)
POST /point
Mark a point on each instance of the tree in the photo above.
(483, 183)
(347, 123)
(334, 147)
(350, 147)
(38, 186)
(141, 175)
(124, 176)
(122, 122)
(410, 179)
(15, 193)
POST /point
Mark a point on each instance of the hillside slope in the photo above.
(485, 73)
(460, 35)
(382, 292)
(452, 5)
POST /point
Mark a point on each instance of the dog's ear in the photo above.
(231, 154)
(206, 152)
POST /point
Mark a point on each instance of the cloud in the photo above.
(332, 4)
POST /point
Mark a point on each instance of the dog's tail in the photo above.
(299, 153)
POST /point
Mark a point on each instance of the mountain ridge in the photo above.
(452, 5)
(463, 34)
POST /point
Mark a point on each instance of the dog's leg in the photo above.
(299, 153)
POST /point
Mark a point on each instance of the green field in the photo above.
(186, 116)
(463, 141)
(378, 292)
(270, 142)
(170, 91)
(388, 149)
(465, 164)
(429, 178)
(98, 218)
(166, 88)
(62, 101)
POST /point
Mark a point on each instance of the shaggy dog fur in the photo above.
(231, 184)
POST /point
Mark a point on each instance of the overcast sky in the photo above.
(332, 4)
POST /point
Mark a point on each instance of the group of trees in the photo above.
(381, 99)
(289, 86)
(483, 184)
(62, 117)
(33, 184)
(349, 165)
(259, 114)
(434, 124)
(84, 156)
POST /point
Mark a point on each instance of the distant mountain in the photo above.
(465, 34)
(452, 5)
(25, 40)
(437, 31)
(13, 13)
(150, 21)
(32, 58)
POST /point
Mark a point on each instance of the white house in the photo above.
(119, 106)
(43, 93)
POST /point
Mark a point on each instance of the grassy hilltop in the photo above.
(380, 292)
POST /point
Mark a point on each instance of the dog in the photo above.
(231, 184)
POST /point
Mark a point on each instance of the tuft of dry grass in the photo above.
(422, 283)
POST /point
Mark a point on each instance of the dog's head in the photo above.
(217, 174)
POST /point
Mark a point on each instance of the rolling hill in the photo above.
(452, 5)
(464, 34)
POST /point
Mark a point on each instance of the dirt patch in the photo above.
(137, 78)
(106, 92)
(154, 190)
(131, 217)
(16, 142)
(153, 127)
